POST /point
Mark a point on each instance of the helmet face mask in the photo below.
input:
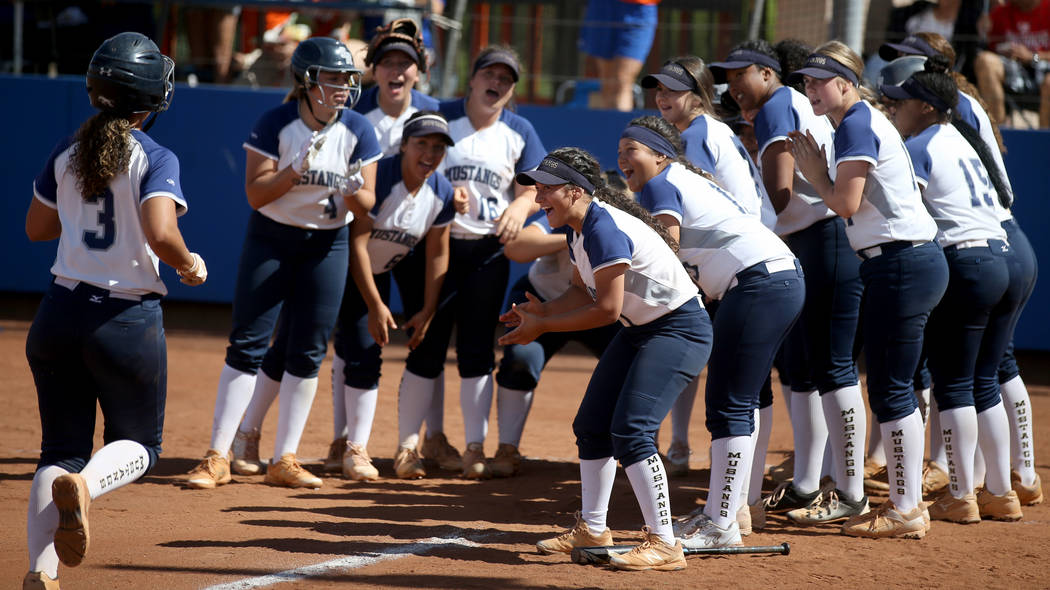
(325, 54)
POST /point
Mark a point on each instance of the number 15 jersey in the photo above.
(102, 242)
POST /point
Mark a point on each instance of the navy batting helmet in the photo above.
(900, 69)
(128, 74)
(325, 54)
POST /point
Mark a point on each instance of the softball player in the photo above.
(685, 96)
(625, 270)
(758, 283)
(111, 195)
(521, 365)
(959, 193)
(310, 168)
(492, 144)
(819, 349)
(905, 274)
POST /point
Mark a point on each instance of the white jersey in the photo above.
(655, 283)
(711, 146)
(550, 275)
(971, 112)
(718, 238)
(891, 206)
(786, 111)
(955, 184)
(485, 162)
(400, 219)
(313, 202)
(102, 242)
(388, 129)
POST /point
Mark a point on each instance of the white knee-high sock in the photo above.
(115, 465)
(810, 434)
(1019, 412)
(682, 412)
(295, 398)
(234, 393)
(413, 403)
(876, 450)
(436, 411)
(360, 412)
(649, 482)
(266, 390)
(937, 452)
(978, 461)
(596, 482)
(993, 434)
(923, 397)
(904, 439)
(844, 414)
(758, 462)
(475, 400)
(730, 466)
(338, 397)
(512, 409)
(42, 522)
(959, 432)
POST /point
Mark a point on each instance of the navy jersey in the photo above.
(313, 202)
(388, 129)
(485, 162)
(102, 242)
(401, 219)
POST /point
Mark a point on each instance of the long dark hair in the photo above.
(705, 80)
(940, 82)
(102, 151)
(587, 165)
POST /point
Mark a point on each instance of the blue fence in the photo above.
(206, 126)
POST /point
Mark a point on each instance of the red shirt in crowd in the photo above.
(1029, 28)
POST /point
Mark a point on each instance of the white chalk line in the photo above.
(343, 563)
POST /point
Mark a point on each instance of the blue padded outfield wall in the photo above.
(205, 127)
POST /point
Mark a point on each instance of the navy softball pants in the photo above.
(1024, 269)
(901, 287)
(752, 321)
(522, 364)
(636, 382)
(819, 349)
(977, 279)
(85, 347)
(298, 272)
(472, 296)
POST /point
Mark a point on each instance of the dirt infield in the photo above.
(442, 532)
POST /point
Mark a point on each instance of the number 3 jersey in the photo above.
(314, 201)
(400, 220)
(956, 187)
(485, 162)
(102, 242)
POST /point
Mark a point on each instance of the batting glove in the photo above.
(196, 274)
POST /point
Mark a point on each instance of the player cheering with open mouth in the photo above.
(626, 270)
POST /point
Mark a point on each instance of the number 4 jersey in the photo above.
(102, 241)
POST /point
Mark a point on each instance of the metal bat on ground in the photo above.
(600, 555)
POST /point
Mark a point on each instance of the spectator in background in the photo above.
(1020, 39)
(616, 36)
(269, 63)
(413, 9)
(211, 33)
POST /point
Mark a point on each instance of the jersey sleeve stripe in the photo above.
(612, 262)
(251, 147)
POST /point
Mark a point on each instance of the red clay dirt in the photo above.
(442, 531)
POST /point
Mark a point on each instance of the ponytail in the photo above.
(102, 151)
